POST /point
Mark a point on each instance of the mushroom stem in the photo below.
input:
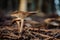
(22, 23)
(18, 24)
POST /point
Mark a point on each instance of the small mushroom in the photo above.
(48, 21)
(20, 15)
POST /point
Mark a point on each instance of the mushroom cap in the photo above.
(21, 14)
(48, 20)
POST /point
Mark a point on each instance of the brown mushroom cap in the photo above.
(48, 20)
(21, 14)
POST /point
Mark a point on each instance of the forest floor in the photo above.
(10, 32)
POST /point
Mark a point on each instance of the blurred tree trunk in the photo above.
(45, 6)
(23, 5)
(12, 5)
(48, 7)
(15, 4)
(3, 4)
(39, 5)
(0, 4)
(9, 5)
(32, 5)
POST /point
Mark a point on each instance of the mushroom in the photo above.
(48, 21)
(52, 21)
(20, 17)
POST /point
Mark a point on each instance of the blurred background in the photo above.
(48, 7)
